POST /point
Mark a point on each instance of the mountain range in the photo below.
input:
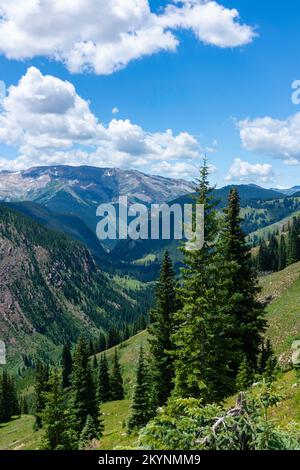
(65, 199)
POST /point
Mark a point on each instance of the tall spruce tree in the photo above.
(54, 420)
(161, 330)
(66, 365)
(273, 252)
(88, 433)
(41, 386)
(240, 296)
(116, 380)
(83, 390)
(141, 407)
(293, 244)
(193, 341)
(103, 389)
(282, 263)
(263, 257)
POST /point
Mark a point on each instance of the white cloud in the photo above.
(275, 137)
(105, 35)
(115, 110)
(49, 123)
(246, 172)
(44, 112)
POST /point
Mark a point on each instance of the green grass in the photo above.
(288, 409)
(282, 291)
(18, 434)
(277, 284)
(128, 355)
(284, 319)
(115, 415)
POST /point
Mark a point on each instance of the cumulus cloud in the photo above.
(50, 124)
(115, 110)
(275, 137)
(246, 172)
(104, 36)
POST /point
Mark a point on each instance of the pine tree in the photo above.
(53, 417)
(244, 378)
(191, 339)
(83, 397)
(273, 254)
(293, 244)
(262, 261)
(116, 381)
(88, 433)
(282, 254)
(267, 361)
(240, 295)
(95, 362)
(104, 389)
(102, 342)
(41, 386)
(9, 404)
(66, 366)
(141, 408)
(161, 330)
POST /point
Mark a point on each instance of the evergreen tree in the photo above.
(141, 408)
(53, 417)
(103, 390)
(293, 244)
(9, 405)
(282, 263)
(161, 330)
(192, 339)
(245, 375)
(116, 381)
(66, 366)
(240, 296)
(263, 256)
(102, 342)
(88, 433)
(83, 399)
(41, 386)
(267, 361)
(113, 338)
(273, 254)
(95, 362)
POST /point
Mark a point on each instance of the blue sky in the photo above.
(201, 89)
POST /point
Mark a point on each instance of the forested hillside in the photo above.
(52, 291)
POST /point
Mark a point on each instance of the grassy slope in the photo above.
(115, 415)
(18, 434)
(128, 355)
(283, 289)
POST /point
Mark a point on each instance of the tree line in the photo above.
(281, 250)
(9, 401)
(68, 400)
